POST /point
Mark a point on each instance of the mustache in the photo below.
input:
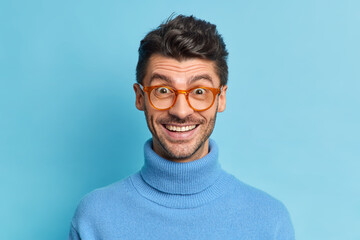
(176, 120)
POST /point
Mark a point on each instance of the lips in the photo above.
(180, 131)
(182, 128)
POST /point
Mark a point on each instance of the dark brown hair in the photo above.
(184, 37)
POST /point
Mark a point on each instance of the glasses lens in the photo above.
(201, 98)
(162, 97)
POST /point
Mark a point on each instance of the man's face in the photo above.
(170, 139)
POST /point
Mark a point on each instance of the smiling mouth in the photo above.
(174, 128)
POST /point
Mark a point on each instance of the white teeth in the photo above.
(180, 129)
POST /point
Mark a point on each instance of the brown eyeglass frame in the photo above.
(148, 90)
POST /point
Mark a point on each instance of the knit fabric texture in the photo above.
(171, 200)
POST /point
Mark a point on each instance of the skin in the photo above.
(180, 75)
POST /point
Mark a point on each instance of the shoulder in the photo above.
(101, 207)
(260, 209)
(101, 200)
(249, 197)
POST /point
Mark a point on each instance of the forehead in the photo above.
(181, 71)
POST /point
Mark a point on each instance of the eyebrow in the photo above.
(160, 76)
(202, 76)
(193, 79)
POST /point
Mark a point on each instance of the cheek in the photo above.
(210, 113)
(151, 116)
(149, 121)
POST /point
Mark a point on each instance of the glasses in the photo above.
(198, 98)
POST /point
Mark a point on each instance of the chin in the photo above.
(181, 150)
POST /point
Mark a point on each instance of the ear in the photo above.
(139, 101)
(222, 99)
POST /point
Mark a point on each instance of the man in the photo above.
(181, 192)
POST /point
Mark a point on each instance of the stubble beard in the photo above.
(182, 150)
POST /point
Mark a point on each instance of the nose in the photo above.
(181, 109)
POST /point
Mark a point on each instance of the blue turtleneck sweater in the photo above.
(170, 200)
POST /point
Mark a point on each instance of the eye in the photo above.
(199, 91)
(162, 90)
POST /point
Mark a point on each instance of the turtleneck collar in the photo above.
(182, 185)
(180, 178)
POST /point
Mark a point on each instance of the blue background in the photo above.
(68, 123)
